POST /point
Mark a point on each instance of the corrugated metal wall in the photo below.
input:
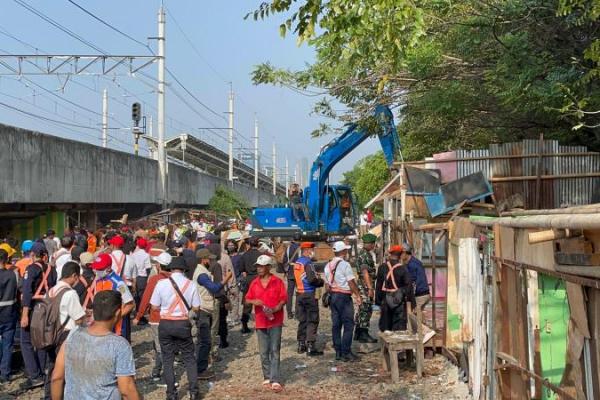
(554, 193)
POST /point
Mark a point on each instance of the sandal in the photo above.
(276, 387)
(266, 384)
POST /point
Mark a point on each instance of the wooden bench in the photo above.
(394, 342)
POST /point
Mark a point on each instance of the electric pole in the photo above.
(256, 172)
(104, 118)
(162, 159)
(274, 170)
(230, 138)
(287, 174)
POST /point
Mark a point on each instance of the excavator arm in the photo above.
(340, 147)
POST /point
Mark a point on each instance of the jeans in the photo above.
(7, 337)
(177, 336)
(291, 289)
(35, 361)
(307, 312)
(342, 316)
(204, 323)
(269, 346)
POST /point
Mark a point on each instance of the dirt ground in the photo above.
(238, 374)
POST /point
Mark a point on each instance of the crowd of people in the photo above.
(72, 303)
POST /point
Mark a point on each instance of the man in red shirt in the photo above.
(268, 294)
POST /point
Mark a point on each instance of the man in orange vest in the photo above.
(307, 305)
(107, 279)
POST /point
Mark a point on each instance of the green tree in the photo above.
(460, 73)
(367, 177)
(226, 202)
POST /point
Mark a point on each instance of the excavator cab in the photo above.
(338, 211)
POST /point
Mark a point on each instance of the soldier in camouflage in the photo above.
(365, 265)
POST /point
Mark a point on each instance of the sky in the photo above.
(225, 50)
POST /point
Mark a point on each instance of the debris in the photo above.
(300, 366)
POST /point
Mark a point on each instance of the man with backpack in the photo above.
(64, 313)
(176, 296)
(393, 290)
(38, 279)
(307, 305)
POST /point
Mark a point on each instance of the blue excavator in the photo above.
(326, 210)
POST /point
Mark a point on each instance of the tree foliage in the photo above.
(367, 177)
(226, 202)
(460, 73)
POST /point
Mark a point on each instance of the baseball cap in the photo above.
(205, 253)
(396, 249)
(101, 262)
(307, 245)
(142, 243)
(86, 258)
(9, 250)
(117, 241)
(26, 246)
(264, 260)
(163, 258)
(340, 246)
(39, 249)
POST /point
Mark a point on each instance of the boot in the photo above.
(366, 338)
(301, 347)
(313, 351)
(245, 328)
(338, 355)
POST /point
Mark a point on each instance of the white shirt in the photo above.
(343, 274)
(164, 294)
(69, 305)
(363, 219)
(142, 262)
(129, 271)
(60, 263)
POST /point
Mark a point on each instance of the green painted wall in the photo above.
(35, 228)
(554, 319)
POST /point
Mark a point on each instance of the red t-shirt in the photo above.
(271, 296)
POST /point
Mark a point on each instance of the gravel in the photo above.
(238, 374)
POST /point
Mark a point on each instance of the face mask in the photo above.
(230, 249)
(101, 274)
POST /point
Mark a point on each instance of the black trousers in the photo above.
(140, 283)
(393, 319)
(176, 336)
(291, 289)
(223, 329)
(307, 313)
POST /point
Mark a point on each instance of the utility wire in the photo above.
(107, 24)
(58, 25)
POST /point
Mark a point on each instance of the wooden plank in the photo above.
(537, 364)
(578, 308)
(577, 259)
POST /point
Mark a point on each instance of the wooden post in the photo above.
(538, 182)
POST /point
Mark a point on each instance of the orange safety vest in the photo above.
(177, 304)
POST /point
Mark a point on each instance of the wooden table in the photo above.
(394, 342)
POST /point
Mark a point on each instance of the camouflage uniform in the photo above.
(365, 261)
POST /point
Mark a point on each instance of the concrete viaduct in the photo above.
(40, 172)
